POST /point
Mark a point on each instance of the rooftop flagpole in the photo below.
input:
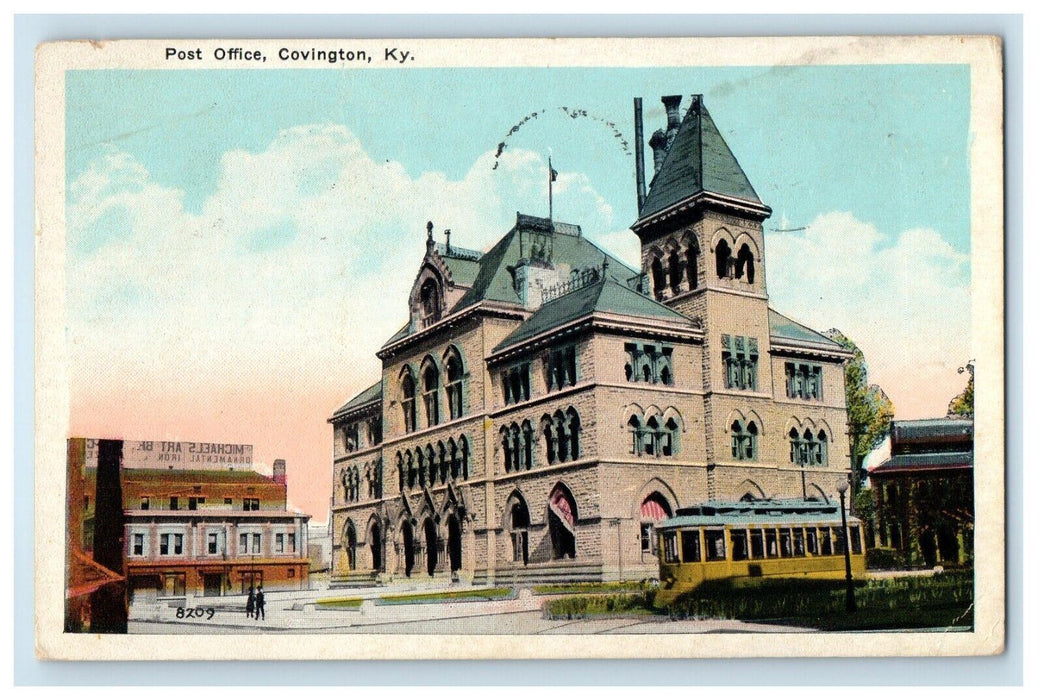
(552, 175)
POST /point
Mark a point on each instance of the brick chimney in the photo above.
(279, 471)
(672, 103)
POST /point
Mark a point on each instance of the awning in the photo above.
(652, 509)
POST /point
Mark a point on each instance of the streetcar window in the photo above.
(856, 541)
(812, 541)
(770, 544)
(839, 540)
(824, 542)
(670, 547)
(690, 542)
(715, 544)
(757, 544)
(739, 544)
(799, 542)
(784, 543)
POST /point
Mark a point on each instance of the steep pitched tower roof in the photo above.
(696, 166)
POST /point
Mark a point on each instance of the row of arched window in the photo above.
(434, 464)
(350, 434)
(655, 435)
(649, 362)
(561, 434)
(807, 448)
(431, 384)
(674, 265)
(516, 444)
(354, 483)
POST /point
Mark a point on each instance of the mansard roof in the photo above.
(368, 395)
(605, 295)
(698, 161)
(493, 280)
(788, 329)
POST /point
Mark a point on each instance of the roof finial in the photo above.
(447, 241)
(430, 227)
(431, 241)
(605, 266)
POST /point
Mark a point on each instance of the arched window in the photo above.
(674, 272)
(411, 470)
(527, 444)
(409, 401)
(722, 258)
(418, 457)
(665, 370)
(431, 302)
(464, 457)
(399, 470)
(430, 380)
(454, 456)
(516, 447)
(821, 448)
(454, 384)
(547, 427)
(574, 433)
(745, 264)
(795, 447)
(691, 264)
(652, 437)
(635, 424)
(505, 445)
(669, 448)
(443, 463)
(744, 441)
(659, 279)
(562, 433)
(433, 466)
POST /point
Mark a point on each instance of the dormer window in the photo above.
(430, 302)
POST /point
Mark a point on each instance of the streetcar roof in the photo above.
(767, 511)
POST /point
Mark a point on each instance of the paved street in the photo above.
(295, 613)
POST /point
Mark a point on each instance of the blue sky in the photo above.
(241, 242)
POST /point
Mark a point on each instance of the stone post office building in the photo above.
(545, 405)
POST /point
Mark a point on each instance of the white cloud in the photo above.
(297, 266)
(906, 301)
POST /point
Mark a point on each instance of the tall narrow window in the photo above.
(804, 381)
(430, 380)
(527, 444)
(745, 264)
(139, 545)
(674, 272)
(409, 402)
(212, 543)
(652, 437)
(659, 279)
(739, 358)
(431, 303)
(454, 385)
(637, 435)
(669, 444)
(691, 264)
(744, 441)
(723, 258)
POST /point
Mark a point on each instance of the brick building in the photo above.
(197, 519)
(545, 405)
(923, 493)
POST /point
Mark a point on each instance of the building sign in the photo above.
(163, 454)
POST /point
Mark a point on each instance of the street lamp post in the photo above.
(850, 603)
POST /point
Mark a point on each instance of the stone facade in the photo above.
(545, 405)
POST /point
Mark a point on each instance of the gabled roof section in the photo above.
(493, 279)
(787, 328)
(366, 396)
(699, 160)
(605, 295)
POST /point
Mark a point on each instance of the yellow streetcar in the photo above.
(752, 539)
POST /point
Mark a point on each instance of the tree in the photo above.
(963, 405)
(870, 411)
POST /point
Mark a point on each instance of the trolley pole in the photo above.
(850, 603)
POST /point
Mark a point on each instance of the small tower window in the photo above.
(431, 302)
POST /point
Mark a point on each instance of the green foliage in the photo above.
(963, 404)
(604, 587)
(870, 411)
(339, 603)
(883, 558)
(943, 600)
(575, 607)
(448, 596)
(864, 509)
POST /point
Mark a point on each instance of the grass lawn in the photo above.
(448, 596)
(606, 587)
(349, 603)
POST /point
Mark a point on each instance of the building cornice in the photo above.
(483, 308)
(796, 348)
(704, 200)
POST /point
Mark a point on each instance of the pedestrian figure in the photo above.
(259, 604)
(250, 602)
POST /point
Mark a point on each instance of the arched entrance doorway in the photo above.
(654, 509)
(375, 546)
(562, 520)
(518, 523)
(348, 544)
(453, 543)
(407, 548)
(431, 545)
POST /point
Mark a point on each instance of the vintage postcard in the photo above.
(630, 347)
